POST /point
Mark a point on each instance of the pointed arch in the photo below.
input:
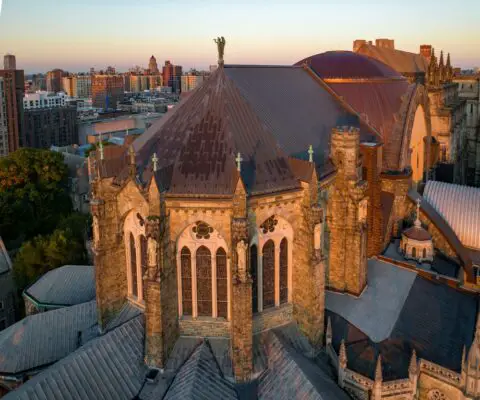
(254, 275)
(186, 278)
(204, 281)
(133, 265)
(284, 271)
(268, 275)
(222, 286)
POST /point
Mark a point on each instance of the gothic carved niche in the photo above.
(202, 230)
(269, 225)
(436, 394)
(242, 260)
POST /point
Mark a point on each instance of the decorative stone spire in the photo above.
(132, 163)
(239, 160)
(378, 370)
(448, 61)
(329, 332)
(441, 63)
(220, 42)
(342, 356)
(310, 153)
(412, 368)
(155, 162)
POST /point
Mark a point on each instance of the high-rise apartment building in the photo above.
(54, 80)
(107, 91)
(153, 66)
(172, 76)
(84, 86)
(3, 123)
(69, 85)
(190, 81)
(13, 91)
(9, 62)
(44, 100)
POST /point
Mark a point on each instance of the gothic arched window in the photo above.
(254, 274)
(133, 266)
(414, 252)
(268, 274)
(143, 252)
(283, 271)
(204, 281)
(222, 288)
(424, 253)
(186, 271)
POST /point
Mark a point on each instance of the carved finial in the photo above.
(155, 162)
(133, 167)
(342, 356)
(329, 332)
(448, 60)
(412, 368)
(378, 370)
(239, 160)
(418, 224)
(310, 153)
(220, 42)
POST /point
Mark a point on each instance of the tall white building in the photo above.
(42, 99)
(3, 122)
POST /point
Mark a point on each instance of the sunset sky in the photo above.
(78, 34)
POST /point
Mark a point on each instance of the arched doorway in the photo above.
(417, 146)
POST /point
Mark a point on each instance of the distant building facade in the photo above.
(9, 62)
(46, 127)
(7, 289)
(54, 80)
(3, 123)
(107, 90)
(13, 91)
(44, 100)
(153, 66)
(190, 81)
(172, 75)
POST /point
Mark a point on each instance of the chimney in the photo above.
(357, 44)
(385, 43)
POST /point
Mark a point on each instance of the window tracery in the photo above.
(254, 275)
(268, 274)
(222, 288)
(436, 394)
(202, 230)
(144, 261)
(269, 225)
(284, 271)
(133, 266)
(186, 272)
(204, 281)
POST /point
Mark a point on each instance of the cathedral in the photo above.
(277, 236)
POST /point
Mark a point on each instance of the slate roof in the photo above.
(459, 206)
(5, 262)
(401, 61)
(44, 338)
(64, 286)
(434, 319)
(417, 233)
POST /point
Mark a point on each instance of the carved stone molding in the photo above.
(239, 229)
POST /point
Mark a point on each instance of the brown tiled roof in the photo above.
(197, 144)
(419, 234)
(401, 61)
(302, 169)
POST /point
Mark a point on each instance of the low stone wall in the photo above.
(205, 327)
(272, 317)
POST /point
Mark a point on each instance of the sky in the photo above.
(75, 35)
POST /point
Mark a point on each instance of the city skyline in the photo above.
(77, 36)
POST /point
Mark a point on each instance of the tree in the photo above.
(33, 194)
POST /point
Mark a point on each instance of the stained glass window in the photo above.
(133, 266)
(204, 282)
(283, 271)
(143, 249)
(202, 230)
(186, 271)
(222, 284)
(269, 225)
(268, 274)
(254, 274)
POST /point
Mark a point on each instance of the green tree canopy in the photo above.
(33, 194)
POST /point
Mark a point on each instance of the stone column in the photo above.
(242, 319)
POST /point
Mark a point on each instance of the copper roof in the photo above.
(198, 142)
(346, 64)
(416, 233)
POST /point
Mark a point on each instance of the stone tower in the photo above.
(347, 215)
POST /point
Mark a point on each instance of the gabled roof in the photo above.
(65, 286)
(5, 262)
(459, 206)
(401, 61)
(437, 330)
(44, 338)
(197, 144)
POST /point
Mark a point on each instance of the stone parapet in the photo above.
(272, 318)
(441, 373)
(204, 327)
